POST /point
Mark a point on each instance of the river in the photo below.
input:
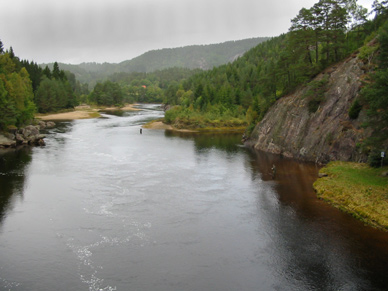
(103, 207)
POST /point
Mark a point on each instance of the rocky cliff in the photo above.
(315, 128)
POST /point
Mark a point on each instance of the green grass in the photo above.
(356, 189)
(215, 118)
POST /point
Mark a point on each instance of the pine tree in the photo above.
(47, 72)
(56, 72)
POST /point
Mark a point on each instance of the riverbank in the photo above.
(83, 112)
(356, 189)
(159, 124)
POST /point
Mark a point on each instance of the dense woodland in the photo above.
(26, 88)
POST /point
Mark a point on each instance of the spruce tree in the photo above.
(56, 72)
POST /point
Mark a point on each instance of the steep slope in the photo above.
(290, 128)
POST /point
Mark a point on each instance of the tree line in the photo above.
(137, 86)
(26, 88)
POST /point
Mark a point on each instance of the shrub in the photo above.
(315, 93)
(355, 109)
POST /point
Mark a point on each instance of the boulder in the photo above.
(29, 135)
(50, 124)
(6, 142)
(42, 125)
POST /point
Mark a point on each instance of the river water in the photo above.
(103, 207)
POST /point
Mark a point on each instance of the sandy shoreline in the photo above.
(83, 112)
(79, 114)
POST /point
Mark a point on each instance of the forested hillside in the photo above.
(192, 57)
(203, 57)
(244, 90)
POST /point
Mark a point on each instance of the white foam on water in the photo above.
(8, 285)
(88, 269)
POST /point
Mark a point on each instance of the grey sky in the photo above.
(75, 31)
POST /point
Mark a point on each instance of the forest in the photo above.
(26, 88)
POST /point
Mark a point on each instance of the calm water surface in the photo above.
(102, 207)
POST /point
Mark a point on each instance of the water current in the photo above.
(103, 207)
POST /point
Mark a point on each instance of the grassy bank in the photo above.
(159, 124)
(215, 118)
(357, 189)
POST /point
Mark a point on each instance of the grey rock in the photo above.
(6, 142)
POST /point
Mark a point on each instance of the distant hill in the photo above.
(203, 57)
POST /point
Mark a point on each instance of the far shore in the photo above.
(83, 112)
(161, 125)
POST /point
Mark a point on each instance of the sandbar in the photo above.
(83, 112)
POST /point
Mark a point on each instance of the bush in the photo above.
(355, 109)
(172, 114)
(315, 93)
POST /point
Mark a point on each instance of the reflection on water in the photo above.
(107, 208)
(227, 142)
(308, 256)
(12, 177)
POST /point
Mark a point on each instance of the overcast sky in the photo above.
(75, 31)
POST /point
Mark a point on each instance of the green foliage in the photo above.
(196, 56)
(375, 94)
(107, 94)
(53, 90)
(367, 52)
(215, 116)
(355, 109)
(16, 96)
(153, 87)
(172, 114)
(54, 95)
(356, 189)
(25, 87)
(315, 93)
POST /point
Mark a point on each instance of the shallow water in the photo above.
(103, 207)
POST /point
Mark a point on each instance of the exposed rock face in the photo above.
(29, 135)
(328, 134)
